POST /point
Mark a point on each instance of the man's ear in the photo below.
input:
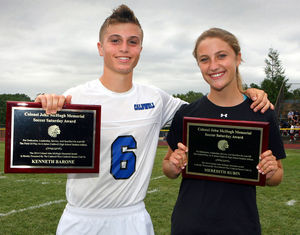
(100, 48)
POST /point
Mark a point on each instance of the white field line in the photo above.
(58, 201)
(158, 177)
(291, 202)
(40, 181)
(153, 191)
(32, 207)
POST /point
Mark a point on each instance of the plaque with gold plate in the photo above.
(65, 142)
(225, 150)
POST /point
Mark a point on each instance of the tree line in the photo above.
(9, 97)
(275, 78)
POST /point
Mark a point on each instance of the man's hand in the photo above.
(260, 100)
(52, 103)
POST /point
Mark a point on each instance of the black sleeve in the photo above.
(275, 140)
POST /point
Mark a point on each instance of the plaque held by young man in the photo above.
(65, 142)
(225, 150)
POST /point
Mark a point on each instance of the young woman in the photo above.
(211, 207)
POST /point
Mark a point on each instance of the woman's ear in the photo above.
(238, 59)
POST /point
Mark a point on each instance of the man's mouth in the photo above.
(123, 58)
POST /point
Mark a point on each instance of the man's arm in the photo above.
(260, 100)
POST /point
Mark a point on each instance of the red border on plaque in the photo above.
(45, 169)
(221, 122)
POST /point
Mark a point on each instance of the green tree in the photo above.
(9, 97)
(296, 94)
(190, 96)
(275, 76)
(253, 85)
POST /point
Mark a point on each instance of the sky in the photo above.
(50, 46)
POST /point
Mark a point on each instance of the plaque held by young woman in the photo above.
(65, 142)
(225, 150)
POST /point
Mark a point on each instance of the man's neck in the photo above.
(117, 82)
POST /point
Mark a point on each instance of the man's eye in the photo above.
(114, 40)
(133, 42)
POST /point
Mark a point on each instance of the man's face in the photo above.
(121, 47)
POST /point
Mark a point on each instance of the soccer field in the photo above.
(33, 203)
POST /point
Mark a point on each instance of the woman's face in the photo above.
(218, 63)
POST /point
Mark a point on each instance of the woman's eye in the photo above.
(203, 60)
(222, 56)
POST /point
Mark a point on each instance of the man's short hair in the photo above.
(122, 14)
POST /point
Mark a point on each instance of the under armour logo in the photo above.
(224, 115)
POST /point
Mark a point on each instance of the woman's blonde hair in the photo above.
(227, 37)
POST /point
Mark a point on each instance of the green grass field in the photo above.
(33, 203)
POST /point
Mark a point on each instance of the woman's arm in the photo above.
(175, 161)
(271, 167)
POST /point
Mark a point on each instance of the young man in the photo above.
(111, 202)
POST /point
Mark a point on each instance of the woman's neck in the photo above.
(226, 98)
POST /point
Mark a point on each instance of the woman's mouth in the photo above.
(216, 75)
